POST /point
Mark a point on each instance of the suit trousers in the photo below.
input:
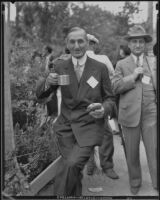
(147, 130)
(106, 151)
(69, 175)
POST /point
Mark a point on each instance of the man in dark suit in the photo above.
(85, 102)
(135, 81)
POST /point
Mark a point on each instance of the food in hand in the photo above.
(93, 107)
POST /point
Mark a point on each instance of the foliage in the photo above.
(15, 181)
(124, 18)
(43, 20)
(35, 140)
(36, 147)
(49, 22)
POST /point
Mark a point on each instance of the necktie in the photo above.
(138, 62)
(138, 65)
(78, 71)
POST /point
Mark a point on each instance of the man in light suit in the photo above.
(135, 81)
(86, 101)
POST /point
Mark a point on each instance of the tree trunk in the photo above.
(17, 15)
(9, 137)
(150, 17)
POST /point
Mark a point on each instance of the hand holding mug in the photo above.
(52, 79)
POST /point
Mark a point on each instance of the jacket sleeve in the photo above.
(107, 94)
(43, 92)
(121, 83)
(109, 67)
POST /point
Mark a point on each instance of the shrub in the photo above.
(35, 141)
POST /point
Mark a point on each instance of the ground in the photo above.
(119, 187)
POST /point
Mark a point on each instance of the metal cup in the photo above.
(63, 80)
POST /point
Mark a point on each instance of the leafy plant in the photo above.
(35, 141)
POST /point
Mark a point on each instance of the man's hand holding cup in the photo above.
(55, 79)
(52, 79)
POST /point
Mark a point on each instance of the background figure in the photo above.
(52, 101)
(123, 52)
(135, 81)
(48, 54)
(65, 56)
(37, 60)
(106, 150)
(80, 125)
(93, 46)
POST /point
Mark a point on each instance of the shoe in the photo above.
(116, 132)
(111, 174)
(155, 188)
(135, 190)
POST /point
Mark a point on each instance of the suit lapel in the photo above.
(131, 64)
(89, 71)
(151, 61)
(78, 90)
(73, 79)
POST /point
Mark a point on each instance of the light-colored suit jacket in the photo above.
(130, 90)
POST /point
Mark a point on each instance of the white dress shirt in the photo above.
(140, 58)
(80, 61)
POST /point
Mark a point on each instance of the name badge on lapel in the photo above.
(92, 82)
(146, 79)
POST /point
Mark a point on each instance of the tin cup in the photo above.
(63, 80)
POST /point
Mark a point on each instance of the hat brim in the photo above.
(147, 37)
(93, 41)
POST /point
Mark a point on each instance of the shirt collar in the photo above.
(140, 58)
(81, 60)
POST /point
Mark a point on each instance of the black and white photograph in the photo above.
(79, 99)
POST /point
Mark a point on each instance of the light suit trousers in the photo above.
(147, 129)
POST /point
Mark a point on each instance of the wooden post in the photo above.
(8, 123)
(9, 135)
(150, 27)
(17, 14)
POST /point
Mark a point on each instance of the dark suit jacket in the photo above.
(130, 91)
(75, 99)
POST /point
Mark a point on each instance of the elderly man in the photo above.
(85, 102)
(135, 81)
(106, 150)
